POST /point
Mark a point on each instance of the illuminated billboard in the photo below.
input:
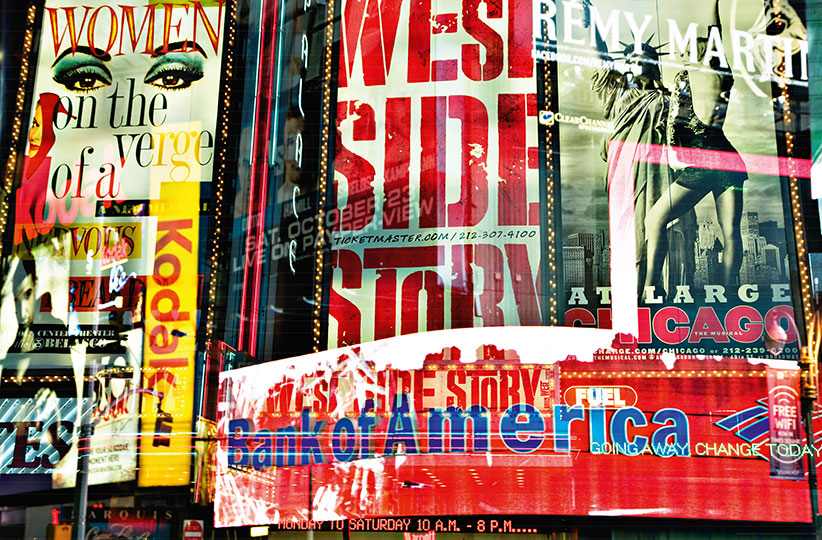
(505, 166)
(103, 273)
(428, 426)
(676, 224)
(437, 222)
(37, 433)
(538, 162)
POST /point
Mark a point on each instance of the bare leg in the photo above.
(670, 206)
(729, 213)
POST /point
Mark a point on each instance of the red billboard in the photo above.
(538, 162)
(429, 425)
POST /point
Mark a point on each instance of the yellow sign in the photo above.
(112, 241)
(171, 316)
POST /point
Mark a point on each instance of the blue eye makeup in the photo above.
(81, 73)
(175, 71)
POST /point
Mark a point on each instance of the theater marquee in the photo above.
(427, 425)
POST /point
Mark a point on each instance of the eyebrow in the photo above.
(97, 53)
(183, 46)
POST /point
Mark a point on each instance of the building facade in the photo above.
(384, 268)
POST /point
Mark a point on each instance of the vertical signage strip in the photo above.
(171, 316)
(785, 424)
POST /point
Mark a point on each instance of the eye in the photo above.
(174, 75)
(82, 77)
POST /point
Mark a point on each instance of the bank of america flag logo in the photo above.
(751, 425)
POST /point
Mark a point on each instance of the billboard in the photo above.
(617, 167)
(103, 267)
(37, 433)
(675, 216)
(437, 220)
(414, 426)
(115, 416)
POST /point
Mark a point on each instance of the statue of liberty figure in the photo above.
(670, 143)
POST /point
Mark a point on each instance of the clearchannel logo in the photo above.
(549, 118)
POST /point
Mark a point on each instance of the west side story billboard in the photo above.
(635, 142)
(103, 272)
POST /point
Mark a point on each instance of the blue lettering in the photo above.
(678, 431)
(456, 418)
(619, 430)
(341, 453)
(366, 421)
(285, 445)
(309, 441)
(401, 429)
(262, 458)
(238, 442)
(563, 416)
(532, 427)
(596, 426)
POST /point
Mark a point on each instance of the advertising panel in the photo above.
(41, 430)
(437, 220)
(37, 433)
(120, 139)
(414, 426)
(115, 416)
(785, 426)
(171, 318)
(675, 222)
(667, 121)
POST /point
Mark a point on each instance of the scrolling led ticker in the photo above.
(473, 524)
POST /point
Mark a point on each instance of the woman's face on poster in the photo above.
(139, 117)
(172, 68)
(24, 300)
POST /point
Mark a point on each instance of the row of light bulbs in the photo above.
(11, 164)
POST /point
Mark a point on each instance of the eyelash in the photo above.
(189, 74)
(71, 76)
